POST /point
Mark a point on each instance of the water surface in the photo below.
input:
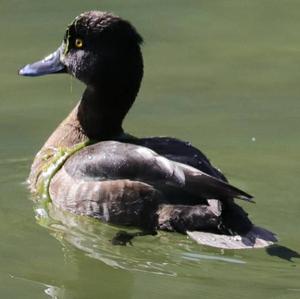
(222, 74)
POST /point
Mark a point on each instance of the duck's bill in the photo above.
(49, 65)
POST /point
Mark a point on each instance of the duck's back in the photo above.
(180, 151)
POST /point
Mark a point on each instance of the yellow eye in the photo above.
(78, 43)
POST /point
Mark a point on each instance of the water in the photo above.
(222, 74)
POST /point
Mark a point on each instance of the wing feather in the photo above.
(111, 160)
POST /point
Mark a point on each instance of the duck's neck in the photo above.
(98, 116)
(101, 113)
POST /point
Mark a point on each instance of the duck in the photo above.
(90, 166)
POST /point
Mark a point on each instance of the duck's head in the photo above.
(98, 48)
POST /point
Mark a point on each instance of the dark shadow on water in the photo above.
(282, 252)
(124, 238)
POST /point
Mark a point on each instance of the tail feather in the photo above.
(204, 185)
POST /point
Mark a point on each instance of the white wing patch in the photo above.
(173, 169)
(166, 164)
(145, 152)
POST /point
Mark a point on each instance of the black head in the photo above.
(103, 51)
(97, 47)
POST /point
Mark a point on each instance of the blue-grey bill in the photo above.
(49, 65)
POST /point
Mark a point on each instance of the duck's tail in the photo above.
(257, 237)
(215, 224)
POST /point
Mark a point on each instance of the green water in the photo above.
(222, 74)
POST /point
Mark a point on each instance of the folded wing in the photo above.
(111, 160)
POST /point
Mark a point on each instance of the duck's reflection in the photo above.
(96, 239)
